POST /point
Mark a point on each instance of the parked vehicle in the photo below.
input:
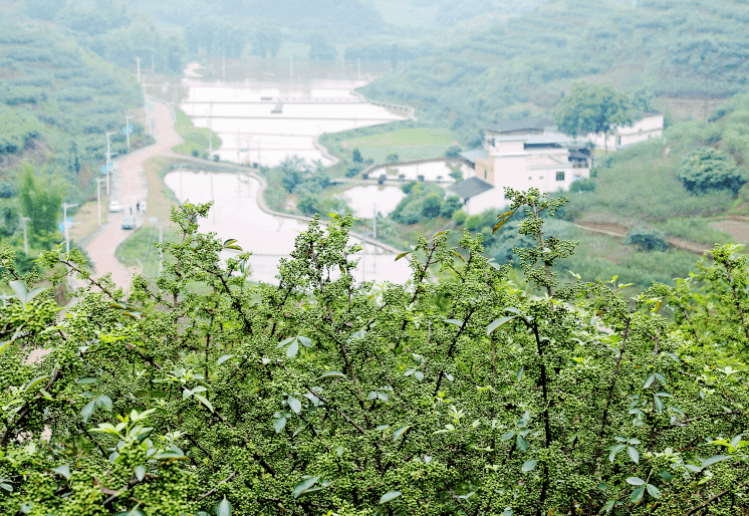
(115, 207)
(128, 223)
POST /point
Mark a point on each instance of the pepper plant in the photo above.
(203, 392)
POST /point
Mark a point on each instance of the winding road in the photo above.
(129, 188)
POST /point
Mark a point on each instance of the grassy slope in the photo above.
(196, 139)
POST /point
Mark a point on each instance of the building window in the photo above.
(530, 178)
(560, 176)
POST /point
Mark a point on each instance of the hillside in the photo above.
(524, 65)
(56, 102)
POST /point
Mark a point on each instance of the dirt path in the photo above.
(129, 188)
(618, 231)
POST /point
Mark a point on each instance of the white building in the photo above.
(649, 126)
(520, 154)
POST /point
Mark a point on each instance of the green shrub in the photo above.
(408, 186)
(356, 156)
(649, 239)
(430, 207)
(703, 170)
(392, 158)
(473, 223)
(450, 206)
(452, 151)
(459, 217)
(583, 185)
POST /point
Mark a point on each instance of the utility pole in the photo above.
(25, 237)
(109, 158)
(98, 195)
(127, 131)
(210, 131)
(65, 207)
(137, 60)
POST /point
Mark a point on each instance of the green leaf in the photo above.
(503, 218)
(637, 494)
(658, 404)
(7, 487)
(304, 486)
(507, 436)
(331, 373)
(63, 470)
(34, 382)
(401, 431)
(19, 288)
(653, 491)
(661, 379)
(224, 508)
(402, 255)
(616, 449)
(522, 444)
(633, 454)
(499, 323)
(295, 405)
(224, 359)
(140, 472)
(456, 322)
(608, 506)
(390, 495)
(529, 465)
(712, 460)
(204, 401)
(649, 381)
(292, 350)
(507, 511)
(31, 295)
(279, 424)
(286, 341)
(229, 241)
(87, 410)
(306, 341)
(635, 481)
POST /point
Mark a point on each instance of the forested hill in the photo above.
(56, 102)
(672, 47)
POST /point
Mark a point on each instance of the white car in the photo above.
(114, 207)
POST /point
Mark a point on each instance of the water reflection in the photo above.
(236, 214)
(255, 127)
(364, 200)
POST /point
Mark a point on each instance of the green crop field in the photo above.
(404, 138)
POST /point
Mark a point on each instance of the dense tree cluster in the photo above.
(461, 392)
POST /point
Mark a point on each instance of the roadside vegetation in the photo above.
(196, 138)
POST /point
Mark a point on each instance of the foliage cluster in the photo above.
(423, 201)
(705, 170)
(307, 183)
(321, 395)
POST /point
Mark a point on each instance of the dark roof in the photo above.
(471, 155)
(471, 187)
(524, 124)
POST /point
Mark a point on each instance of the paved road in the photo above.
(129, 187)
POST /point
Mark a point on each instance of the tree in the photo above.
(450, 206)
(42, 204)
(357, 157)
(592, 108)
(431, 205)
(459, 393)
(707, 169)
(649, 239)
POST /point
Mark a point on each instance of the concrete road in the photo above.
(129, 188)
